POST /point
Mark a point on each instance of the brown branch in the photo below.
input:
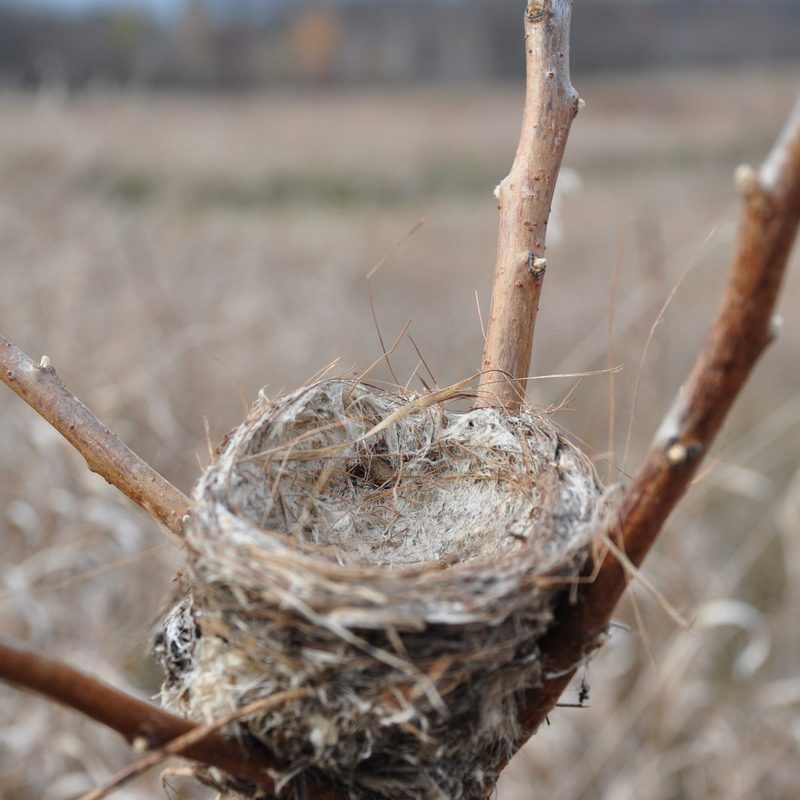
(40, 387)
(743, 327)
(140, 723)
(524, 198)
(143, 725)
(181, 744)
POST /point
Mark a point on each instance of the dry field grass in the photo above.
(172, 254)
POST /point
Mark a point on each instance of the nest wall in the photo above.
(398, 559)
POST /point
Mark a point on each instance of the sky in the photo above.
(163, 9)
(159, 7)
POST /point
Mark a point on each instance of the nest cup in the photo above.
(398, 559)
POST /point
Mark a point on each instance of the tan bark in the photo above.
(524, 198)
(41, 388)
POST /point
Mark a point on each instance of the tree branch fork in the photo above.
(744, 325)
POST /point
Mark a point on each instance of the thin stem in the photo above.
(743, 327)
(41, 388)
(145, 726)
(181, 744)
(140, 723)
(523, 200)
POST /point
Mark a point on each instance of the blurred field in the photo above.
(172, 254)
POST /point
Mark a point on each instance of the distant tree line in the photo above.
(357, 41)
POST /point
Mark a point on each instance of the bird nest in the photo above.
(397, 559)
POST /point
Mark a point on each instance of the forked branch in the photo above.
(744, 325)
(40, 387)
(523, 200)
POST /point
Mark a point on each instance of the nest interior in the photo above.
(400, 561)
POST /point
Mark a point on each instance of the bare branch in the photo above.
(140, 723)
(524, 199)
(182, 743)
(145, 726)
(40, 387)
(743, 327)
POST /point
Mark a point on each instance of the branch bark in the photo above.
(138, 722)
(144, 725)
(181, 744)
(744, 325)
(523, 200)
(41, 388)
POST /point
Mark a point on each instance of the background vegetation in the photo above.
(174, 252)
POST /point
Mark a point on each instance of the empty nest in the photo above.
(400, 561)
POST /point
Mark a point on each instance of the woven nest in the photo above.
(398, 559)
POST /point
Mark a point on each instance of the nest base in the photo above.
(399, 560)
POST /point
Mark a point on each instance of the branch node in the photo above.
(536, 266)
(746, 179)
(536, 9)
(141, 743)
(676, 454)
(680, 454)
(45, 365)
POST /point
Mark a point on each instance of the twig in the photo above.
(524, 199)
(743, 327)
(181, 744)
(144, 726)
(40, 387)
(140, 723)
